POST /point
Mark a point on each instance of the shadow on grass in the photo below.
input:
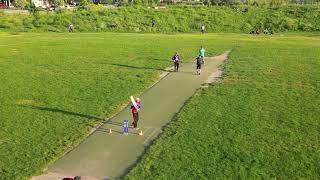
(87, 116)
(56, 110)
(145, 68)
(136, 67)
(158, 59)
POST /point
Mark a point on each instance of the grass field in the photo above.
(261, 121)
(54, 87)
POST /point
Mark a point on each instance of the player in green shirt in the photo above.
(201, 53)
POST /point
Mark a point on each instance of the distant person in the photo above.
(199, 62)
(135, 113)
(153, 22)
(202, 52)
(71, 28)
(202, 29)
(176, 61)
(257, 31)
(266, 31)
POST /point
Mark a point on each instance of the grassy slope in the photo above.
(260, 121)
(171, 19)
(54, 86)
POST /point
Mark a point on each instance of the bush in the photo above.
(289, 23)
(27, 23)
(53, 29)
(84, 2)
(305, 26)
(247, 28)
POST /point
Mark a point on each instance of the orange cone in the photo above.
(110, 130)
(140, 133)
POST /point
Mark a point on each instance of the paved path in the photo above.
(103, 155)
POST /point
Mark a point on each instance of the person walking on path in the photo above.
(176, 61)
(135, 113)
(202, 28)
(199, 62)
(201, 53)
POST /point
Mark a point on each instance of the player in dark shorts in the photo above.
(199, 62)
(135, 113)
(176, 61)
(202, 29)
(153, 23)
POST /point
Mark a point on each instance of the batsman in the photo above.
(135, 107)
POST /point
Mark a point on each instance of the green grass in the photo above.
(261, 121)
(54, 87)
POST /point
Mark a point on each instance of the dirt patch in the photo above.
(218, 72)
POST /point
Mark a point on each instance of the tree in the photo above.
(21, 3)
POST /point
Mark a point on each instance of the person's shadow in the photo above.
(144, 68)
(135, 67)
(70, 113)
